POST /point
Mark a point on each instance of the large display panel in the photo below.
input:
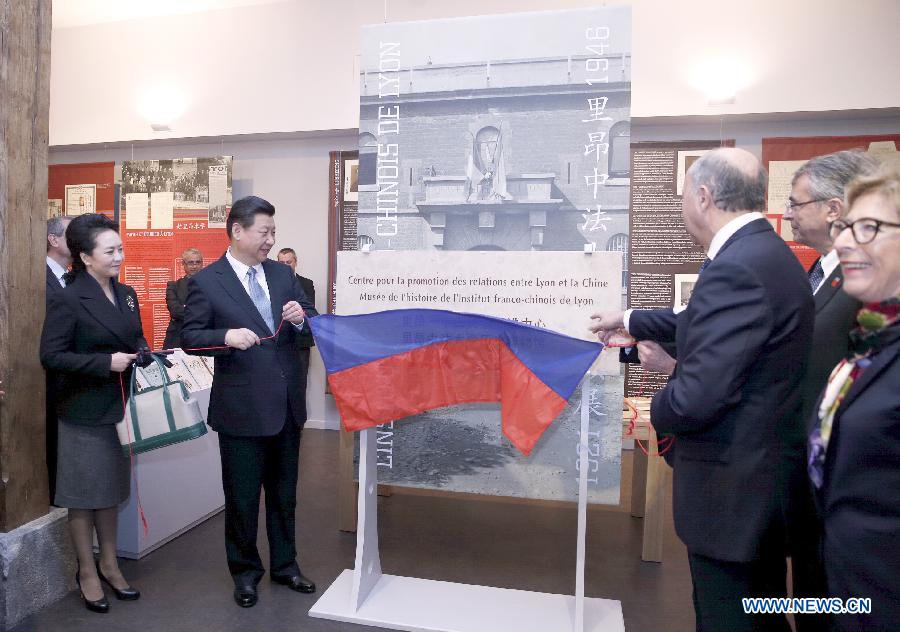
(496, 133)
(168, 206)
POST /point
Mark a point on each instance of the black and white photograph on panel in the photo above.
(505, 133)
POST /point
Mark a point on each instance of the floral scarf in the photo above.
(878, 327)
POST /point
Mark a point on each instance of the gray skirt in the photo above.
(92, 472)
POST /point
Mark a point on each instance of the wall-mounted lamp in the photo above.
(160, 103)
(720, 77)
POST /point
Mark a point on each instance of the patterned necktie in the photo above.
(816, 275)
(259, 299)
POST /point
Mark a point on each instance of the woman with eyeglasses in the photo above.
(854, 447)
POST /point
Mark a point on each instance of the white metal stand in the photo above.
(368, 597)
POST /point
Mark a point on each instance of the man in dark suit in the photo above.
(58, 261)
(254, 308)
(305, 340)
(816, 200)
(176, 296)
(742, 345)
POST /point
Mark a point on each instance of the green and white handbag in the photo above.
(159, 415)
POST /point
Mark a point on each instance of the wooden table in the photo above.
(651, 481)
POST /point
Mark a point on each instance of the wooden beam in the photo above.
(24, 127)
(346, 485)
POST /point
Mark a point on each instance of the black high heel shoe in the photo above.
(124, 594)
(100, 605)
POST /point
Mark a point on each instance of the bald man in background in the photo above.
(735, 392)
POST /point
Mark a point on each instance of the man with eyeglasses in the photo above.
(815, 206)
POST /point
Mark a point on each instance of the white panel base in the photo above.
(424, 605)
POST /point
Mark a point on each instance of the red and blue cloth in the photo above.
(389, 365)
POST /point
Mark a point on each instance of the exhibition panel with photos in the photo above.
(495, 172)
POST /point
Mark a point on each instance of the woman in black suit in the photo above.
(90, 338)
(854, 456)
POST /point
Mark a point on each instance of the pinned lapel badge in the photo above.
(835, 282)
(129, 300)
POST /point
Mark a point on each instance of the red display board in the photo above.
(174, 205)
(99, 174)
(781, 157)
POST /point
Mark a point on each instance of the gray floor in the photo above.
(186, 586)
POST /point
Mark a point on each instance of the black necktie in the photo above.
(816, 275)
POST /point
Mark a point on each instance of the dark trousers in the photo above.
(804, 545)
(250, 464)
(719, 587)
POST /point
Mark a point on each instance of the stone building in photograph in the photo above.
(499, 155)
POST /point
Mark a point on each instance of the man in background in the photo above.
(304, 340)
(58, 261)
(176, 296)
(58, 257)
(816, 200)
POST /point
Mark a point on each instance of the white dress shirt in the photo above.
(722, 235)
(240, 269)
(58, 270)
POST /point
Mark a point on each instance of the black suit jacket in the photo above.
(742, 345)
(860, 495)
(835, 316)
(53, 288)
(176, 297)
(53, 285)
(83, 331)
(251, 389)
(305, 339)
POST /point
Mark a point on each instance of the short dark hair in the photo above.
(245, 210)
(731, 189)
(81, 237)
(287, 251)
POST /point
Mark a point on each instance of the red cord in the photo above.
(137, 487)
(665, 443)
(275, 335)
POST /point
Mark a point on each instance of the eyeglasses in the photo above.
(863, 229)
(790, 206)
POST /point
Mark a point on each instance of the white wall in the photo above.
(291, 66)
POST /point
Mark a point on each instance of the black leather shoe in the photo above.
(295, 582)
(100, 605)
(245, 594)
(125, 594)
